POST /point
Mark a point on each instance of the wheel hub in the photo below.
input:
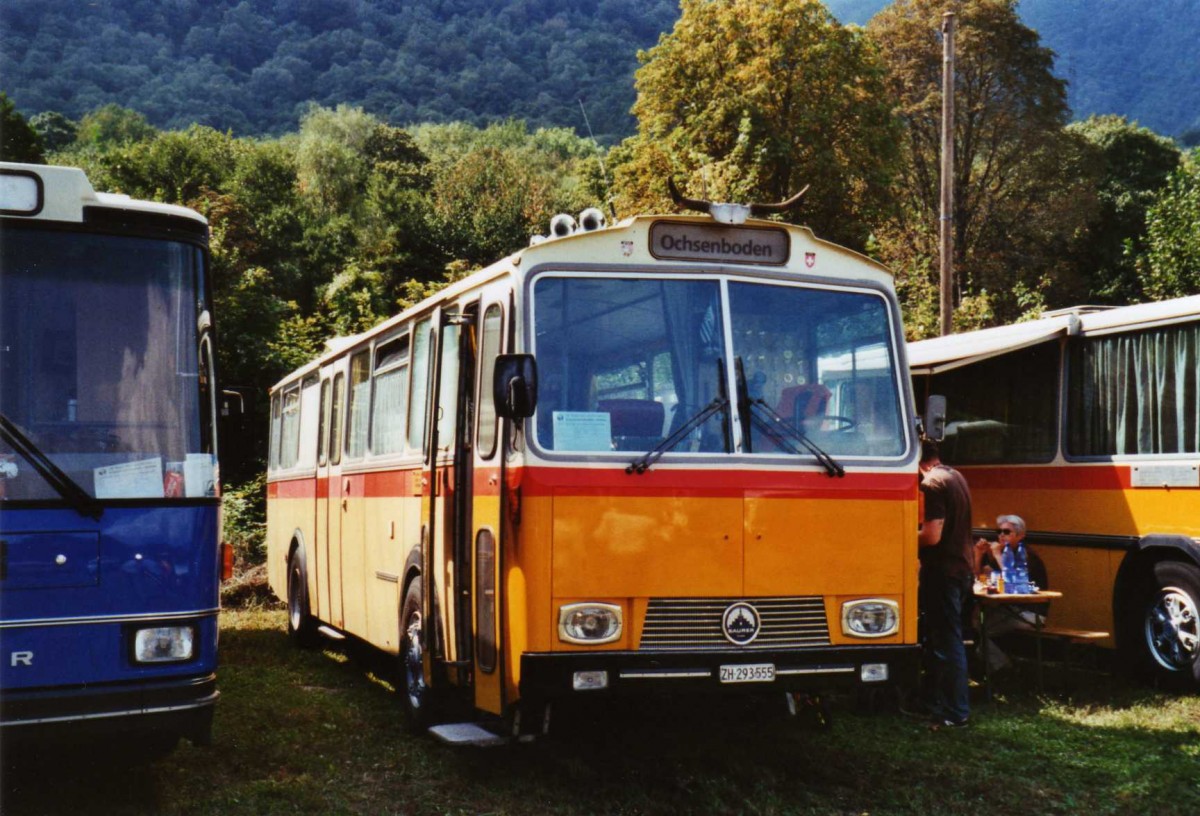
(1173, 629)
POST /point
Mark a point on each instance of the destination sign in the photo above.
(673, 241)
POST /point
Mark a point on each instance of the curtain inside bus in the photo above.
(1135, 393)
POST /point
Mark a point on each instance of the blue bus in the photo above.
(110, 565)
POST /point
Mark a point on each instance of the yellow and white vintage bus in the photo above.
(1086, 423)
(608, 464)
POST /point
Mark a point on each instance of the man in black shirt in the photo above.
(946, 553)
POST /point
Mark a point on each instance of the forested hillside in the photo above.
(252, 65)
(1136, 59)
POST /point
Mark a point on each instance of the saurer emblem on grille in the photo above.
(740, 623)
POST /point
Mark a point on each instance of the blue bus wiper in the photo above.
(643, 462)
(63, 484)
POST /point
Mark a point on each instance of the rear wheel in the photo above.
(417, 696)
(1168, 631)
(302, 627)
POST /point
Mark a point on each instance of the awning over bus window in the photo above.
(952, 351)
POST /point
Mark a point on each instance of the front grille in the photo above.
(677, 624)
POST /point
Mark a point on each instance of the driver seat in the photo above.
(802, 401)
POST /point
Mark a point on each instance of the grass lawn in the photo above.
(316, 732)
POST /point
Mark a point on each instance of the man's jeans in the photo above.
(945, 658)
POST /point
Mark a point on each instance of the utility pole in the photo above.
(946, 222)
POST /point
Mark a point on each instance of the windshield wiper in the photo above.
(776, 428)
(719, 403)
(63, 484)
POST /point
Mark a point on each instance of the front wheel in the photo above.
(416, 695)
(1169, 630)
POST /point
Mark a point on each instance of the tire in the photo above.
(301, 625)
(1167, 629)
(417, 697)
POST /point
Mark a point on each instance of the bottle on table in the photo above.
(1007, 566)
(1021, 570)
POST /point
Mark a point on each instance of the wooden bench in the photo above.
(1083, 635)
(1080, 639)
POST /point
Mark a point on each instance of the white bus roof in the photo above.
(952, 351)
(43, 192)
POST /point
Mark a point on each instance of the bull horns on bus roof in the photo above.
(731, 213)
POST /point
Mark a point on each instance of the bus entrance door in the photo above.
(448, 474)
(485, 521)
(328, 527)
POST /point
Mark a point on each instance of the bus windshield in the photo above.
(99, 357)
(623, 362)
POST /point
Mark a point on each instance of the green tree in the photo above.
(331, 157)
(113, 126)
(747, 100)
(1170, 264)
(18, 141)
(56, 130)
(1131, 164)
(487, 204)
(1021, 183)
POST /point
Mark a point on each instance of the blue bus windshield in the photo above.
(99, 365)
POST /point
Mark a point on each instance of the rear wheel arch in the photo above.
(302, 626)
(1156, 602)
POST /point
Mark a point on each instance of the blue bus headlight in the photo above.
(589, 623)
(870, 618)
(164, 644)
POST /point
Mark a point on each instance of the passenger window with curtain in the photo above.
(1002, 410)
(1135, 393)
(360, 405)
(389, 400)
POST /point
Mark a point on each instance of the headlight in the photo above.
(870, 618)
(589, 623)
(164, 644)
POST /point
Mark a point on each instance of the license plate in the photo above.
(748, 673)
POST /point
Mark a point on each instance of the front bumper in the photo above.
(550, 675)
(180, 705)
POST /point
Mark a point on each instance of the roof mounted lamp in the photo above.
(732, 213)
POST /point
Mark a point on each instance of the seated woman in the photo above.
(1009, 618)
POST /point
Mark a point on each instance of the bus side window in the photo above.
(389, 400)
(322, 424)
(490, 347)
(289, 435)
(360, 404)
(335, 419)
(420, 386)
(276, 426)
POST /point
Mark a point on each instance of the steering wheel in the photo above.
(844, 423)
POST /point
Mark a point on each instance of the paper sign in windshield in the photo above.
(130, 480)
(582, 431)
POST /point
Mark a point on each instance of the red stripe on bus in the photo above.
(1048, 477)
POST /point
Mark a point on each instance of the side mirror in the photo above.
(515, 386)
(935, 417)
